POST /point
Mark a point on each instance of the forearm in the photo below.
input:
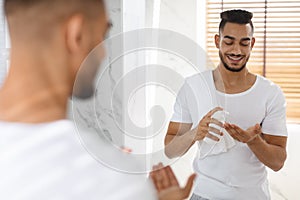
(176, 146)
(272, 156)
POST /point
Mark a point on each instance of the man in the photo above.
(231, 164)
(40, 155)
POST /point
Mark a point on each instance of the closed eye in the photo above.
(228, 43)
(245, 44)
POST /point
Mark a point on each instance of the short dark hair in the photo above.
(37, 18)
(236, 16)
(12, 6)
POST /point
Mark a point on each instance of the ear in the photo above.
(74, 33)
(217, 41)
(252, 42)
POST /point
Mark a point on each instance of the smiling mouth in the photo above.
(235, 58)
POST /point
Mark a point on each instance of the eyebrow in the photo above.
(246, 39)
(233, 38)
(229, 37)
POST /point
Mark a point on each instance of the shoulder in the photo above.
(268, 87)
(119, 170)
(110, 168)
(200, 76)
(57, 149)
(199, 79)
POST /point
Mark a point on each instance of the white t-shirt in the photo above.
(236, 174)
(48, 162)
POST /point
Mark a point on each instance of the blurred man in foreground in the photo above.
(40, 154)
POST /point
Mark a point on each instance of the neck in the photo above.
(232, 78)
(232, 82)
(35, 90)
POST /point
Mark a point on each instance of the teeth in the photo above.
(235, 58)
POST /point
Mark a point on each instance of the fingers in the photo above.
(232, 131)
(163, 177)
(211, 133)
(188, 187)
(208, 124)
(255, 133)
(172, 191)
(215, 130)
(165, 181)
(254, 130)
(257, 128)
(216, 122)
(210, 113)
(207, 119)
(238, 131)
(172, 178)
(213, 137)
(155, 178)
(126, 150)
(241, 135)
(205, 122)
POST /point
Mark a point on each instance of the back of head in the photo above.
(53, 37)
(38, 18)
(13, 6)
(236, 16)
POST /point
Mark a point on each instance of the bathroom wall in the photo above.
(185, 26)
(151, 48)
(3, 45)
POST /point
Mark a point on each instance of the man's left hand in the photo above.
(244, 136)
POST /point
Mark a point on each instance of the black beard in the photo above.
(230, 68)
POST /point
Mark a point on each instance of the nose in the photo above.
(236, 49)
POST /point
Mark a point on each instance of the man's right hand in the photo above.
(180, 137)
(203, 129)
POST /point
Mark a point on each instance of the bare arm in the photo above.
(270, 150)
(180, 137)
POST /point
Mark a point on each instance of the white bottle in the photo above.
(220, 116)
